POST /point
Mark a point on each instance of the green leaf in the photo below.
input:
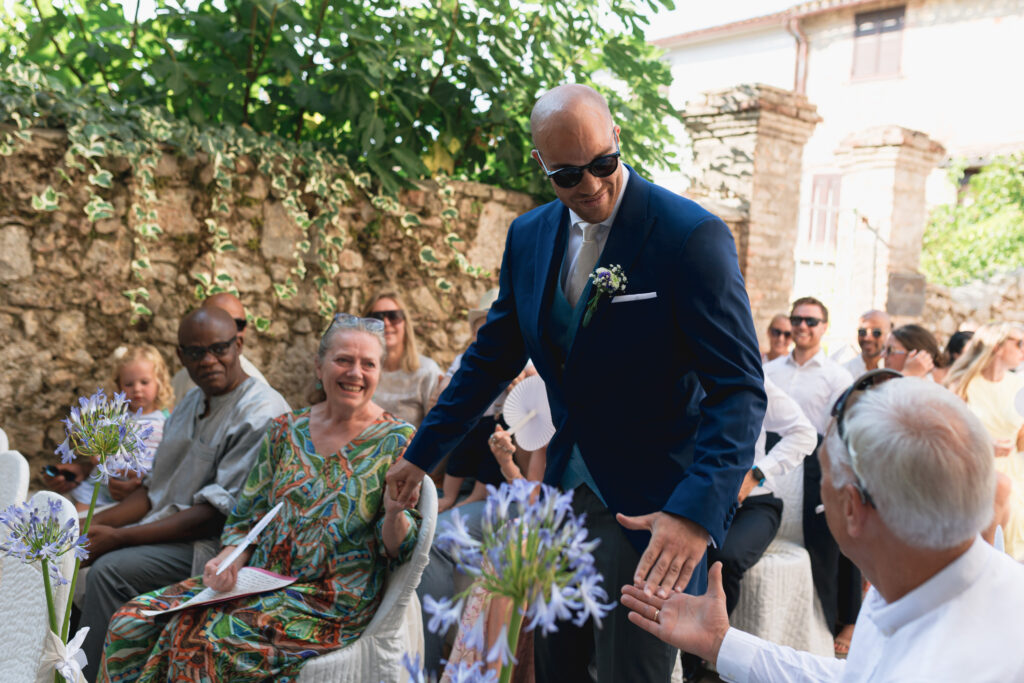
(410, 220)
(98, 209)
(443, 285)
(47, 200)
(450, 214)
(103, 178)
(261, 324)
(427, 256)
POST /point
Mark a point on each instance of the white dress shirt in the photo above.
(784, 417)
(856, 366)
(815, 385)
(572, 250)
(963, 624)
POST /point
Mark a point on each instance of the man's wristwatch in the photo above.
(758, 474)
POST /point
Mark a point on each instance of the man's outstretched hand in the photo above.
(695, 624)
(676, 548)
(403, 480)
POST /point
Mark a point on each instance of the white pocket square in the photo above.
(623, 298)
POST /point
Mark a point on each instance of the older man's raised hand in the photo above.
(696, 624)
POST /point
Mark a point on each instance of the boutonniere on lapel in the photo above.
(607, 282)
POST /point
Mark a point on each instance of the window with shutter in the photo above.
(878, 43)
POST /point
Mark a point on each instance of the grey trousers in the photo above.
(119, 576)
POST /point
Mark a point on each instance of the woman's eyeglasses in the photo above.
(890, 351)
(571, 176)
(776, 332)
(196, 353)
(866, 381)
(394, 317)
(873, 331)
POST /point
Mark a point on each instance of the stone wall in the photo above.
(62, 311)
(997, 299)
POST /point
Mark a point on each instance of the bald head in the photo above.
(226, 302)
(567, 104)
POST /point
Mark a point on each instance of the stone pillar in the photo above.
(748, 144)
(884, 170)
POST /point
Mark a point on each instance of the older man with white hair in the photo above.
(907, 484)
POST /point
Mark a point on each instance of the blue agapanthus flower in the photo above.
(33, 537)
(106, 431)
(534, 550)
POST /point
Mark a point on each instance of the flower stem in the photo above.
(78, 563)
(50, 609)
(513, 639)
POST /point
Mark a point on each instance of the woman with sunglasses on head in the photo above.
(408, 379)
(982, 376)
(337, 532)
(914, 351)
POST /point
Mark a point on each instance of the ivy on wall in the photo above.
(313, 184)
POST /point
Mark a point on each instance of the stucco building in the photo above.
(826, 131)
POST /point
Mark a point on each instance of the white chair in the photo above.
(4, 443)
(14, 477)
(778, 601)
(24, 622)
(396, 628)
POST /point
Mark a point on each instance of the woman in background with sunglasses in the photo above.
(914, 351)
(408, 379)
(780, 338)
(982, 377)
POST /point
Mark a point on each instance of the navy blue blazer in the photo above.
(663, 395)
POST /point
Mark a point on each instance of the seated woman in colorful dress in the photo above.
(337, 533)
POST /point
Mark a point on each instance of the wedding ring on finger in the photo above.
(657, 614)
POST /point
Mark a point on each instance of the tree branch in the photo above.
(253, 72)
(56, 46)
(309, 64)
(444, 60)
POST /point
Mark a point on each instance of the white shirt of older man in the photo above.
(964, 624)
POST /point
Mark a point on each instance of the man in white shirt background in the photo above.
(873, 329)
(908, 484)
(760, 513)
(815, 382)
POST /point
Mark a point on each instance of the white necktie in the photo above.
(586, 259)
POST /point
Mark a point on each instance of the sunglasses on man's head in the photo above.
(240, 323)
(196, 353)
(810, 320)
(868, 380)
(394, 316)
(571, 176)
(865, 331)
(776, 332)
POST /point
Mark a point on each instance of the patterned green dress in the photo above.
(327, 534)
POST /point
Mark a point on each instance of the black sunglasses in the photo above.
(873, 331)
(197, 353)
(240, 323)
(571, 176)
(776, 332)
(811, 321)
(394, 316)
(52, 471)
(869, 379)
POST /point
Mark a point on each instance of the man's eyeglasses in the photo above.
(394, 317)
(372, 324)
(571, 176)
(197, 353)
(869, 379)
(811, 321)
(240, 323)
(776, 332)
(865, 331)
